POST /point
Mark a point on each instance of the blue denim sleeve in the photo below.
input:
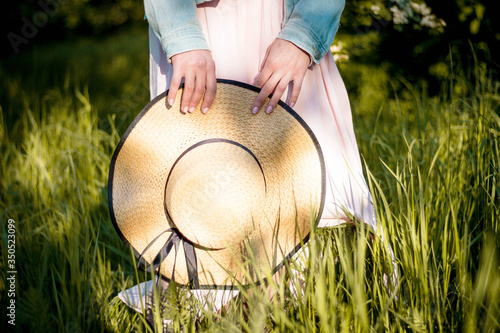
(174, 23)
(312, 25)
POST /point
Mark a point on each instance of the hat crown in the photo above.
(215, 193)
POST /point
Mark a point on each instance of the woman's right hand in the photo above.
(198, 70)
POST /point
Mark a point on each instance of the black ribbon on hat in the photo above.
(173, 241)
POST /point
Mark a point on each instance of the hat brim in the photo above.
(286, 148)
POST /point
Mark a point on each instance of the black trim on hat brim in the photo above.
(246, 86)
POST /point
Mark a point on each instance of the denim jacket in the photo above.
(309, 24)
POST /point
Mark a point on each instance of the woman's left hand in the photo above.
(284, 63)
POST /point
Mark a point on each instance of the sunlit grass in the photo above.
(432, 166)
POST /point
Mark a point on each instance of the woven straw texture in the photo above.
(232, 204)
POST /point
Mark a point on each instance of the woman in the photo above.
(281, 46)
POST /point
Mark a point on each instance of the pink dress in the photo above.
(238, 33)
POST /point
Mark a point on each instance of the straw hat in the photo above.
(199, 196)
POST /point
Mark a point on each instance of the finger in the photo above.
(278, 92)
(211, 89)
(266, 90)
(262, 78)
(264, 74)
(174, 86)
(189, 82)
(263, 63)
(199, 88)
(296, 86)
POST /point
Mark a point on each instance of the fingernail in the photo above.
(185, 109)
(191, 109)
(255, 110)
(205, 110)
(171, 101)
(292, 105)
(269, 109)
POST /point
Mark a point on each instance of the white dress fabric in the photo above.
(239, 33)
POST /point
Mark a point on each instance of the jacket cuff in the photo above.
(303, 37)
(179, 42)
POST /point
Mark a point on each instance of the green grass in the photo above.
(432, 165)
